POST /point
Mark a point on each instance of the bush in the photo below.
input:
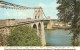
(2, 40)
(23, 36)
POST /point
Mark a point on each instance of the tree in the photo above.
(23, 36)
(2, 39)
(69, 11)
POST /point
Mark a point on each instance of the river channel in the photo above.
(58, 37)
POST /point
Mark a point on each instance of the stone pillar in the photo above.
(37, 30)
(35, 14)
(41, 14)
(50, 24)
(43, 41)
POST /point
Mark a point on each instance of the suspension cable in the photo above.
(14, 6)
(44, 14)
(18, 6)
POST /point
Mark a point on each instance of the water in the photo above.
(58, 37)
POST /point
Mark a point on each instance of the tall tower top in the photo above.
(38, 14)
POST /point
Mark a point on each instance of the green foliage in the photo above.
(23, 36)
(69, 11)
(1, 39)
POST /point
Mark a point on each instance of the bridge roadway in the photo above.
(20, 22)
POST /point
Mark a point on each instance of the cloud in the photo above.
(42, 5)
(49, 5)
(50, 9)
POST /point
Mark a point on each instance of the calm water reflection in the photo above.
(58, 37)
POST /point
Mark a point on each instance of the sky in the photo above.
(49, 8)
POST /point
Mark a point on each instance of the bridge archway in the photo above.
(35, 26)
(39, 25)
(39, 28)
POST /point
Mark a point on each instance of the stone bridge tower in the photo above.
(38, 13)
(50, 23)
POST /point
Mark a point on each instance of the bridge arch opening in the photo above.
(39, 25)
(34, 26)
(35, 17)
(38, 17)
(39, 28)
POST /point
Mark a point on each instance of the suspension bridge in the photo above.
(35, 22)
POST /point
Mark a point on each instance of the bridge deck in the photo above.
(21, 23)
